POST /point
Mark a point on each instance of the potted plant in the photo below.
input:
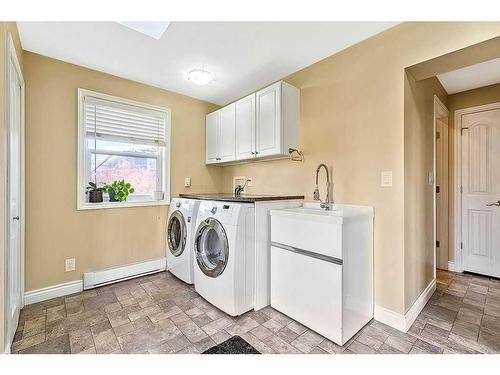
(119, 190)
(94, 192)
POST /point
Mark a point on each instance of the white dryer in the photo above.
(180, 236)
(224, 248)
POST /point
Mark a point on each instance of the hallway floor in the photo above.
(160, 314)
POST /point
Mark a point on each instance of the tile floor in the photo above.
(160, 314)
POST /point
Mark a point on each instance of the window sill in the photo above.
(105, 205)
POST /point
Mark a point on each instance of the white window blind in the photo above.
(112, 120)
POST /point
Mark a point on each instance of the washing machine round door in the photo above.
(211, 247)
(176, 233)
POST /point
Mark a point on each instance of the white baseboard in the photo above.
(451, 266)
(121, 273)
(103, 277)
(403, 322)
(53, 291)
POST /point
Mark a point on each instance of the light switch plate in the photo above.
(250, 181)
(187, 182)
(386, 178)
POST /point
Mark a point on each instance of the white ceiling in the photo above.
(243, 57)
(471, 77)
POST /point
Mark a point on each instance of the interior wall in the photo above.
(102, 238)
(471, 98)
(419, 194)
(5, 28)
(352, 118)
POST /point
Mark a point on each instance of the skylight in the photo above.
(152, 29)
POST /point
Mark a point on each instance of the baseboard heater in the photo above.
(116, 274)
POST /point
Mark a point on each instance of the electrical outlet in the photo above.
(187, 182)
(70, 264)
(250, 180)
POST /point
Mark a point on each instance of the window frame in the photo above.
(83, 161)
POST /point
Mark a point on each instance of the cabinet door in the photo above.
(245, 127)
(211, 136)
(308, 290)
(269, 132)
(226, 143)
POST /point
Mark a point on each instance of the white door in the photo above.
(269, 135)
(481, 192)
(227, 134)
(212, 130)
(245, 128)
(14, 279)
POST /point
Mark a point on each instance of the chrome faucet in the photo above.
(239, 189)
(325, 204)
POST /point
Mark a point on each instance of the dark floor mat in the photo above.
(234, 345)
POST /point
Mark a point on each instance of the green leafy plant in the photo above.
(93, 187)
(119, 190)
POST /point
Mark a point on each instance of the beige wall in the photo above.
(419, 195)
(465, 99)
(5, 28)
(55, 230)
(352, 118)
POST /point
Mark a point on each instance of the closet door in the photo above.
(245, 128)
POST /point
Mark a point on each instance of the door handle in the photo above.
(15, 218)
(497, 203)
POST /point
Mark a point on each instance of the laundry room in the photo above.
(226, 186)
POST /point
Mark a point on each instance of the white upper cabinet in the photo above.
(227, 134)
(262, 125)
(269, 129)
(211, 134)
(245, 128)
(221, 135)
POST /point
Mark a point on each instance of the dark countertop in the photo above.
(245, 198)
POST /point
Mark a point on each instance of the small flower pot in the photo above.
(95, 196)
(111, 194)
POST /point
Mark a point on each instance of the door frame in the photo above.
(440, 110)
(458, 263)
(11, 56)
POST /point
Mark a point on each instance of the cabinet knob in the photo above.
(253, 153)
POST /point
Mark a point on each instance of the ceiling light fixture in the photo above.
(200, 77)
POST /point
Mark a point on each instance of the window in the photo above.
(123, 140)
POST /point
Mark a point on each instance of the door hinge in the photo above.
(437, 189)
(437, 243)
(461, 189)
(461, 245)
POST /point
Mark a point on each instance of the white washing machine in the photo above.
(180, 237)
(224, 248)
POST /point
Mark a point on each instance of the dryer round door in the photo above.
(211, 247)
(176, 233)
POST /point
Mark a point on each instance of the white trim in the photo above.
(11, 56)
(451, 266)
(53, 291)
(164, 162)
(389, 317)
(403, 322)
(439, 110)
(458, 177)
(121, 273)
(105, 205)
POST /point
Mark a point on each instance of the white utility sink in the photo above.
(322, 267)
